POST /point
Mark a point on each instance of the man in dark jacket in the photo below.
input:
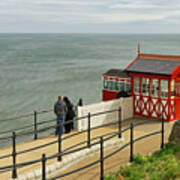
(60, 110)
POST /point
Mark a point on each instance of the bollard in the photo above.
(119, 123)
(14, 170)
(43, 167)
(102, 158)
(89, 131)
(60, 142)
(162, 133)
(131, 142)
(80, 103)
(35, 125)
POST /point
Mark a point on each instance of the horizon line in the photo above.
(89, 33)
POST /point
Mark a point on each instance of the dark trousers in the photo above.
(69, 126)
(60, 124)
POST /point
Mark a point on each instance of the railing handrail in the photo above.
(107, 156)
(54, 156)
(53, 142)
(69, 150)
(26, 115)
(53, 120)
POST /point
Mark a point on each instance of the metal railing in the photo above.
(89, 143)
(34, 124)
(15, 135)
(102, 157)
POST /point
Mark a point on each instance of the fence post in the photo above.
(35, 125)
(131, 142)
(14, 170)
(43, 167)
(89, 131)
(102, 158)
(59, 142)
(80, 103)
(119, 122)
(162, 132)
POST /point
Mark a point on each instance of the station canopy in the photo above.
(117, 73)
(154, 64)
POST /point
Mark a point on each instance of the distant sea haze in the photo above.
(36, 68)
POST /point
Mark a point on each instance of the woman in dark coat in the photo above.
(70, 115)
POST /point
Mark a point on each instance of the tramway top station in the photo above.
(152, 80)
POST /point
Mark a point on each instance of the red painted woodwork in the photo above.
(150, 107)
(153, 107)
(109, 95)
(177, 98)
(175, 71)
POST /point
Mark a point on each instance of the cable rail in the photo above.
(77, 147)
(26, 115)
(35, 124)
(35, 131)
(53, 142)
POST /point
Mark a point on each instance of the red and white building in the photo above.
(154, 83)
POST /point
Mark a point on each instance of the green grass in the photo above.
(162, 165)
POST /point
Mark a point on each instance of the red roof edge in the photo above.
(159, 57)
(131, 62)
(176, 70)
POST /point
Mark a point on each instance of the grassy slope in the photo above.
(162, 165)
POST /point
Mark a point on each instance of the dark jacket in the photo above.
(70, 112)
(60, 108)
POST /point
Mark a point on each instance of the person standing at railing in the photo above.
(60, 109)
(69, 116)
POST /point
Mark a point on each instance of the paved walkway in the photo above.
(143, 147)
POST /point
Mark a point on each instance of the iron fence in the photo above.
(88, 144)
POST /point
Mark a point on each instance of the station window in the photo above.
(154, 87)
(136, 85)
(164, 88)
(128, 87)
(172, 88)
(116, 86)
(109, 85)
(145, 86)
(113, 85)
(105, 84)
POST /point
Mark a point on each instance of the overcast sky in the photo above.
(90, 16)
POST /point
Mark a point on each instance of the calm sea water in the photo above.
(36, 68)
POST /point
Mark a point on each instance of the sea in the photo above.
(36, 68)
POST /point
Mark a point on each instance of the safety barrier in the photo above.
(89, 143)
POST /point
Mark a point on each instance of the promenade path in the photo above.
(145, 146)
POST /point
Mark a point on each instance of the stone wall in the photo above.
(126, 105)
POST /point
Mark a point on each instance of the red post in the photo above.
(169, 99)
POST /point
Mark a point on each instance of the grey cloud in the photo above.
(68, 13)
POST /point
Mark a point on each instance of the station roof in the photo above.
(116, 73)
(154, 64)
